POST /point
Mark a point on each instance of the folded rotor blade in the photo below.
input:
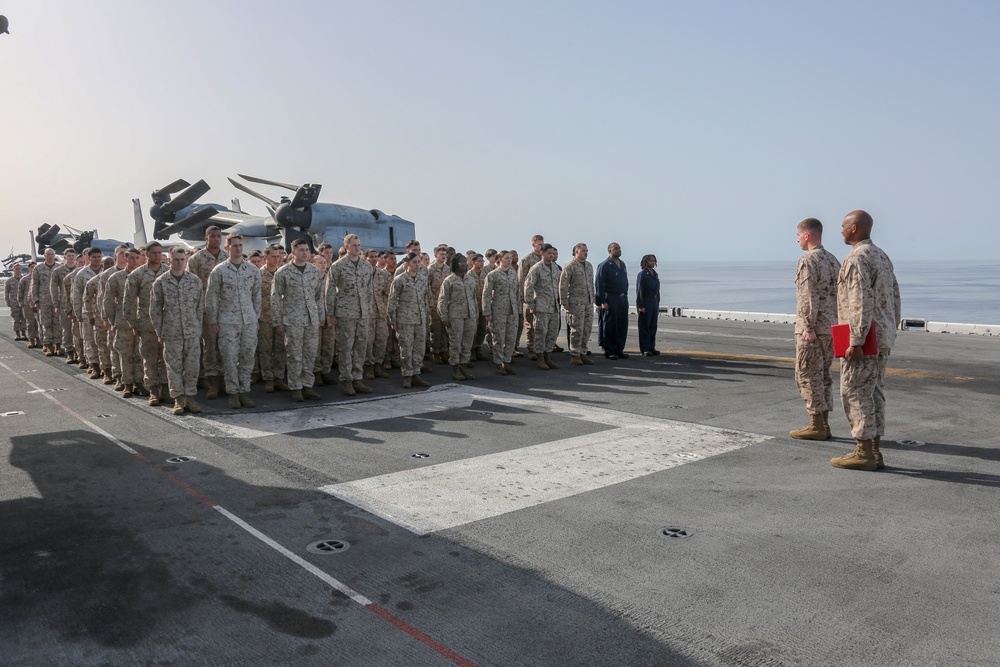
(187, 197)
(202, 214)
(254, 179)
(239, 186)
(176, 186)
(307, 195)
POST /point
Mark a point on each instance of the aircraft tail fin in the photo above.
(236, 205)
(139, 237)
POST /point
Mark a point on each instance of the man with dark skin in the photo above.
(611, 295)
(867, 295)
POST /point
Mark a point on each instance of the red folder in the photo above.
(842, 339)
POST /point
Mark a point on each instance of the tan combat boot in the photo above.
(190, 405)
(379, 371)
(576, 360)
(213, 387)
(826, 424)
(349, 388)
(501, 370)
(879, 463)
(361, 387)
(860, 459)
(540, 362)
(178, 408)
(456, 373)
(269, 386)
(297, 395)
(127, 391)
(510, 369)
(245, 400)
(280, 385)
(549, 362)
(466, 373)
(310, 394)
(109, 377)
(234, 401)
(407, 382)
(587, 361)
(418, 381)
(369, 372)
(813, 431)
(154, 395)
(49, 350)
(532, 356)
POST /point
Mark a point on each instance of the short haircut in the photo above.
(537, 237)
(612, 245)
(811, 225)
(275, 247)
(153, 244)
(546, 247)
(93, 251)
(212, 228)
(121, 246)
(409, 257)
(297, 242)
(256, 253)
(68, 251)
(178, 250)
(349, 238)
(439, 248)
(321, 247)
(233, 237)
(578, 246)
(133, 251)
(412, 243)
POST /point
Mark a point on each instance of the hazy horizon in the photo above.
(700, 131)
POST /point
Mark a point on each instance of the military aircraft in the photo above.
(51, 236)
(301, 216)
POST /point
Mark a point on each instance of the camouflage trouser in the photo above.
(31, 319)
(103, 351)
(812, 373)
(461, 333)
(480, 337)
(127, 345)
(301, 342)
(17, 314)
(520, 329)
(546, 326)
(67, 331)
(412, 338)
(392, 347)
(326, 350)
(211, 365)
(581, 324)
(90, 342)
(116, 359)
(271, 352)
(49, 322)
(862, 385)
(378, 338)
(439, 336)
(154, 370)
(237, 344)
(182, 356)
(503, 331)
(529, 329)
(352, 344)
(78, 344)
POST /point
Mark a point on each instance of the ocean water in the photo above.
(939, 291)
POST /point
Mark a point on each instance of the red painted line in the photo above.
(419, 636)
(183, 486)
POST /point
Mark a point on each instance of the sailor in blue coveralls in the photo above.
(611, 296)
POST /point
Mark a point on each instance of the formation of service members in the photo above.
(862, 293)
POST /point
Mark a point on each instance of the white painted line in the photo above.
(438, 497)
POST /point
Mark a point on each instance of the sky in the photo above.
(693, 130)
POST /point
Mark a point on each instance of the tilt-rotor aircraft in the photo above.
(51, 236)
(301, 216)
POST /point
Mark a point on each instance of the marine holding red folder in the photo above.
(842, 339)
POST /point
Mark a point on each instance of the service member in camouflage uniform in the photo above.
(270, 344)
(525, 266)
(816, 311)
(392, 345)
(108, 352)
(866, 290)
(27, 302)
(201, 264)
(124, 339)
(10, 288)
(86, 323)
(91, 313)
(45, 307)
(326, 348)
(297, 310)
(348, 304)
(436, 273)
(408, 313)
(576, 292)
(502, 308)
(478, 270)
(58, 286)
(176, 310)
(541, 301)
(135, 304)
(459, 312)
(378, 323)
(233, 306)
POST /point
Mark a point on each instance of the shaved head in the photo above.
(863, 220)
